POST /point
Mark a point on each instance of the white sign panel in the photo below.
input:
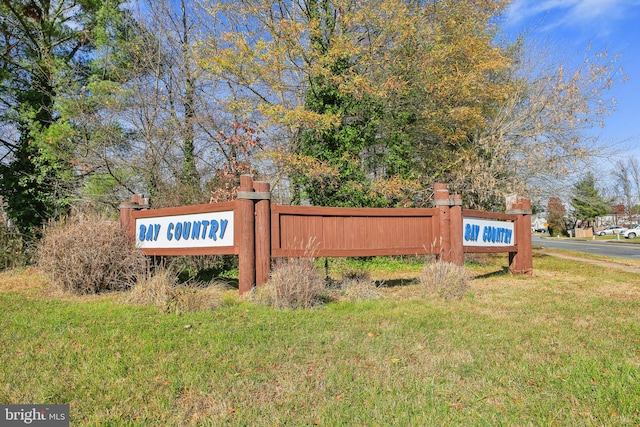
(201, 230)
(487, 232)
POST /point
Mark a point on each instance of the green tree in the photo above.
(587, 201)
(45, 50)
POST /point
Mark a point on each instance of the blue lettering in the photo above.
(213, 229)
(205, 225)
(186, 228)
(149, 236)
(170, 231)
(471, 232)
(178, 232)
(508, 236)
(156, 231)
(223, 227)
(195, 230)
(143, 232)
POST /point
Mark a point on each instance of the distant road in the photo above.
(612, 248)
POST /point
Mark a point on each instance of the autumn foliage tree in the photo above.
(556, 217)
(397, 95)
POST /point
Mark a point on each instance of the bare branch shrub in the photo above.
(89, 254)
(294, 283)
(445, 279)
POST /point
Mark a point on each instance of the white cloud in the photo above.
(554, 13)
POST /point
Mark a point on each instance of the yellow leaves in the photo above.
(307, 165)
(297, 116)
(395, 187)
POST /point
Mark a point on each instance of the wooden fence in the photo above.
(257, 230)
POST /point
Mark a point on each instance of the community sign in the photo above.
(486, 232)
(202, 230)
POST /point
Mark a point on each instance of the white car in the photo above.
(613, 229)
(632, 232)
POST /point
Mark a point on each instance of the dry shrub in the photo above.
(189, 298)
(355, 285)
(294, 283)
(160, 288)
(446, 279)
(154, 288)
(359, 289)
(89, 254)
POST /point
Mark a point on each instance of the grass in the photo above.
(559, 348)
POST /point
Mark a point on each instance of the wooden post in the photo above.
(263, 232)
(246, 240)
(455, 216)
(521, 262)
(127, 223)
(441, 200)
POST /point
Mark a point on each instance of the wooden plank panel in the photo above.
(354, 252)
(355, 231)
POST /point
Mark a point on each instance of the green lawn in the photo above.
(559, 348)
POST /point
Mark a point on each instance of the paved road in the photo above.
(612, 248)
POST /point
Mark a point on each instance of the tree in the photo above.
(556, 217)
(626, 176)
(587, 201)
(432, 96)
(45, 49)
(156, 126)
(540, 133)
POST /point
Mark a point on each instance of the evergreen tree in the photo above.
(45, 51)
(587, 201)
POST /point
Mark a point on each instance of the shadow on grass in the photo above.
(504, 271)
(392, 283)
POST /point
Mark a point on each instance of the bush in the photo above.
(161, 288)
(294, 283)
(359, 289)
(13, 251)
(89, 254)
(154, 288)
(446, 279)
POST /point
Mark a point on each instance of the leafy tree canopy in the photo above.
(587, 201)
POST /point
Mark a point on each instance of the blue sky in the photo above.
(613, 25)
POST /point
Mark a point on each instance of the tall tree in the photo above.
(587, 201)
(45, 48)
(624, 188)
(379, 90)
(556, 217)
(156, 128)
(352, 94)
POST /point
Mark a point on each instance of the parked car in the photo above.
(632, 232)
(613, 229)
